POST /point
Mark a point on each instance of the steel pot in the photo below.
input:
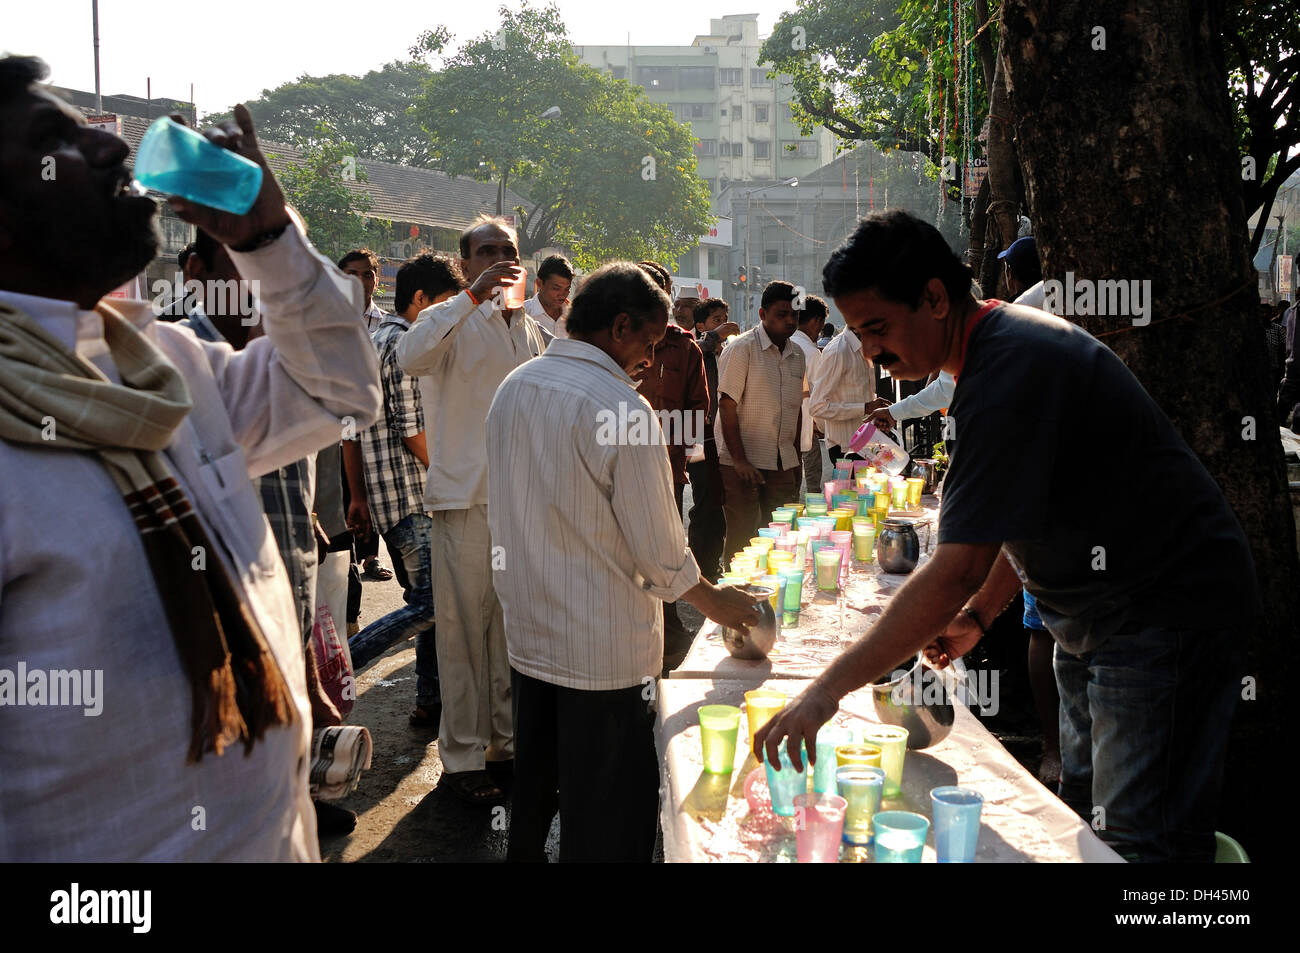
(916, 699)
(897, 546)
(753, 644)
(927, 470)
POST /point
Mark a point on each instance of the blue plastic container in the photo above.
(175, 160)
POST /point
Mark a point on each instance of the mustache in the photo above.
(885, 358)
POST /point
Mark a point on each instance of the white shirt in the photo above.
(553, 326)
(585, 512)
(461, 352)
(374, 316)
(1033, 297)
(842, 388)
(767, 386)
(935, 395)
(77, 593)
(812, 358)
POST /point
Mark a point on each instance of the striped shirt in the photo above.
(842, 388)
(767, 386)
(581, 504)
(812, 359)
(394, 476)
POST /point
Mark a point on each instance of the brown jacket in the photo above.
(676, 382)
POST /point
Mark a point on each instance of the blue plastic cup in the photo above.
(175, 160)
(829, 737)
(862, 787)
(768, 532)
(900, 836)
(787, 783)
(956, 823)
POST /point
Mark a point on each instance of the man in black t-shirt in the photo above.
(1064, 475)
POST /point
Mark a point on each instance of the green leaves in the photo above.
(584, 168)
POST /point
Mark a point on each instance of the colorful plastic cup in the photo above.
(892, 741)
(777, 585)
(819, 827)
(786, 784)
(779, 559)
(763, 543)
(864, 543)
(827, 560)
(898, 495)
(882, 498)
(176, 160)
(862, 788)
(768, 532)
(899, 836)
(829, 737)
(793, 596)
(956, 823)
(861, 482)
(857, 756)
(759, 555)
(760, 705)
(914, 487)
(733, 580)
(718, 727)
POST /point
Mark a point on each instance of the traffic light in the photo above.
(741, 278)
(757, 281)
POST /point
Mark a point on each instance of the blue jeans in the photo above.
(1144, 732)
(409, 545)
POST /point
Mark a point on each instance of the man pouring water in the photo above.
(1148, 622)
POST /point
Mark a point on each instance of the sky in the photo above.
(233, 50)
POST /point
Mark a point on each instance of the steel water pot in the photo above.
(757, 641)
(916, 699)
(897, 547)
(927, 470)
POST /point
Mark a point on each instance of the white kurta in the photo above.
(76, 591)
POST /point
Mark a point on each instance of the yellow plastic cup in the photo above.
(882, 499)
(892, 741)
(914, 487)
(761, 705)
(761, 542)
(866, 755)
(779, 559)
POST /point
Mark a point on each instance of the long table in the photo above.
(706, 817)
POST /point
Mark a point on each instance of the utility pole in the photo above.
(94, 13)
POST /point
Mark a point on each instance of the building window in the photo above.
(770, 256)
(760, 112)
(758, 77)
(620, 72)
(729, 77)
(724, 149)
(697, 110)
(715, 263)
(706, 147)
(762, 150)
(696, 77)
(737, 148)
(803, 148)
(737, 112)
(655, 77)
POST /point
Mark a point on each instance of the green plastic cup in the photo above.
(828, 569)
(718, 727)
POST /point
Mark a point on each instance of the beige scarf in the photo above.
(236, 687)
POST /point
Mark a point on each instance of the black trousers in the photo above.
(708, 527)
(591, 756)
(677, 641)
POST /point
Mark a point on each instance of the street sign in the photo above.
(109, 122)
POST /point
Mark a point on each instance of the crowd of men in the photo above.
(178, 501)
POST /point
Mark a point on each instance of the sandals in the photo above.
(377, 572)
(474, 787)
(425, 716)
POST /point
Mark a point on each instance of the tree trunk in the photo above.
(1004, 194)
(1130, 171)
(978, 229)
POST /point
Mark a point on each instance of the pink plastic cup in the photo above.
(818, 827)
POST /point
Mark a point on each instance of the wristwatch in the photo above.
(262, 240)
(974, 617)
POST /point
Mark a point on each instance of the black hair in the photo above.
(183, 255)
(205, 246)
(896, 254)
(659, 273)
(814, 309)
(430, 273)
(620, 286)
(361, 254)
(708, 306)
(777, 291)
(828, 330)
(479, 221)
(555, 265)
(20, 73)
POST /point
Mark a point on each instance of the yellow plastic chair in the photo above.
(1228, 851)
